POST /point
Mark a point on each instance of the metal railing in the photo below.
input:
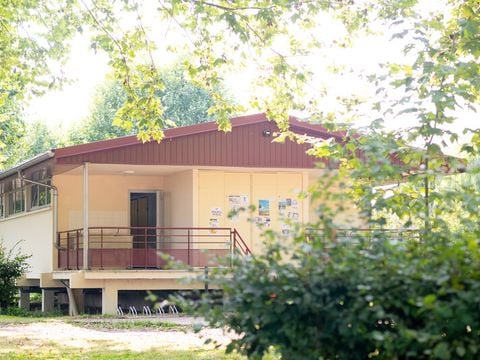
(369, 235)
(148, 247)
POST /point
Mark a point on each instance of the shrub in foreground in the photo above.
(353, 300)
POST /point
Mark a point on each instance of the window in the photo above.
(40, 195)
(17, 195)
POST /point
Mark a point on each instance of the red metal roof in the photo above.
(204, 145)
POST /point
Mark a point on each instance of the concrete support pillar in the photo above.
(48, 300)
(109, 300)
(79, 300)
(24, 300)
(85, 216)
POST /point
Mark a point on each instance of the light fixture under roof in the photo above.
(128, 172)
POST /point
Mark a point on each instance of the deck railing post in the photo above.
(59, 251)
(188, 247)
(68, 250)
(131, 249)
(232, 244)
(145, 247)
(78, 247)
(101, 248)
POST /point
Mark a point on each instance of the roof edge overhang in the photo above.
(27, 164)
(295, 124)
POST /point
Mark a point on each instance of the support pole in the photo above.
(109, 300)
(24, 300)
(48, 300)
(85, 216)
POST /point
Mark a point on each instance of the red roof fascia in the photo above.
(296, 125)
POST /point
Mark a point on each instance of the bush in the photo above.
(353, 300)
(12, 266)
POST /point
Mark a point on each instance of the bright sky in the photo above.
(61, 109)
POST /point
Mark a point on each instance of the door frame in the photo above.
(159, 197)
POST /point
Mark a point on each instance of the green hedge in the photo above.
(353, 300)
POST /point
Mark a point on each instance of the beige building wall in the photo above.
(33, 231)
(220, 191)
(346, 218)
(179, 203)
(109, 199)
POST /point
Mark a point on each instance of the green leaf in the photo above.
(441, 351)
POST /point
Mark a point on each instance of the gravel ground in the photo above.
(135, 340)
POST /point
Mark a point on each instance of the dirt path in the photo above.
(136, 340)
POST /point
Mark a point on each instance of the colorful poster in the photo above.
(264, 207)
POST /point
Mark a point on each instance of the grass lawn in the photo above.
(10, 319)
(26, 349)
(21, 346)
(127, 324)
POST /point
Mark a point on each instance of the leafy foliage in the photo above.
(99, 124)
(353, 300)
(12, 128)
(184, 103)
(36, 138)
(313, 296)
(12, 266)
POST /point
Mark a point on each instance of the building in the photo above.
(95, 216)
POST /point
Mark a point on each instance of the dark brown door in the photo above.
(143, 219)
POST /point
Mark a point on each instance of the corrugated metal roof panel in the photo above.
(204, 145)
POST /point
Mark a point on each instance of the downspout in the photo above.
(71, 299)
(72, 303)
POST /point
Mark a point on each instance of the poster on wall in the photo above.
(216, 211)
(263, 221)
(286, 207)
(235, 204)
(213, 222)
(293, 215)
(282, 207)
(264, 207)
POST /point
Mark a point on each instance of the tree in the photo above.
(184, 103)
(316, 295)
(33, 39)
(99, 125)
(215, 36)
(12, 266)
(436, 76)
(12, 129)
(37, 138)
